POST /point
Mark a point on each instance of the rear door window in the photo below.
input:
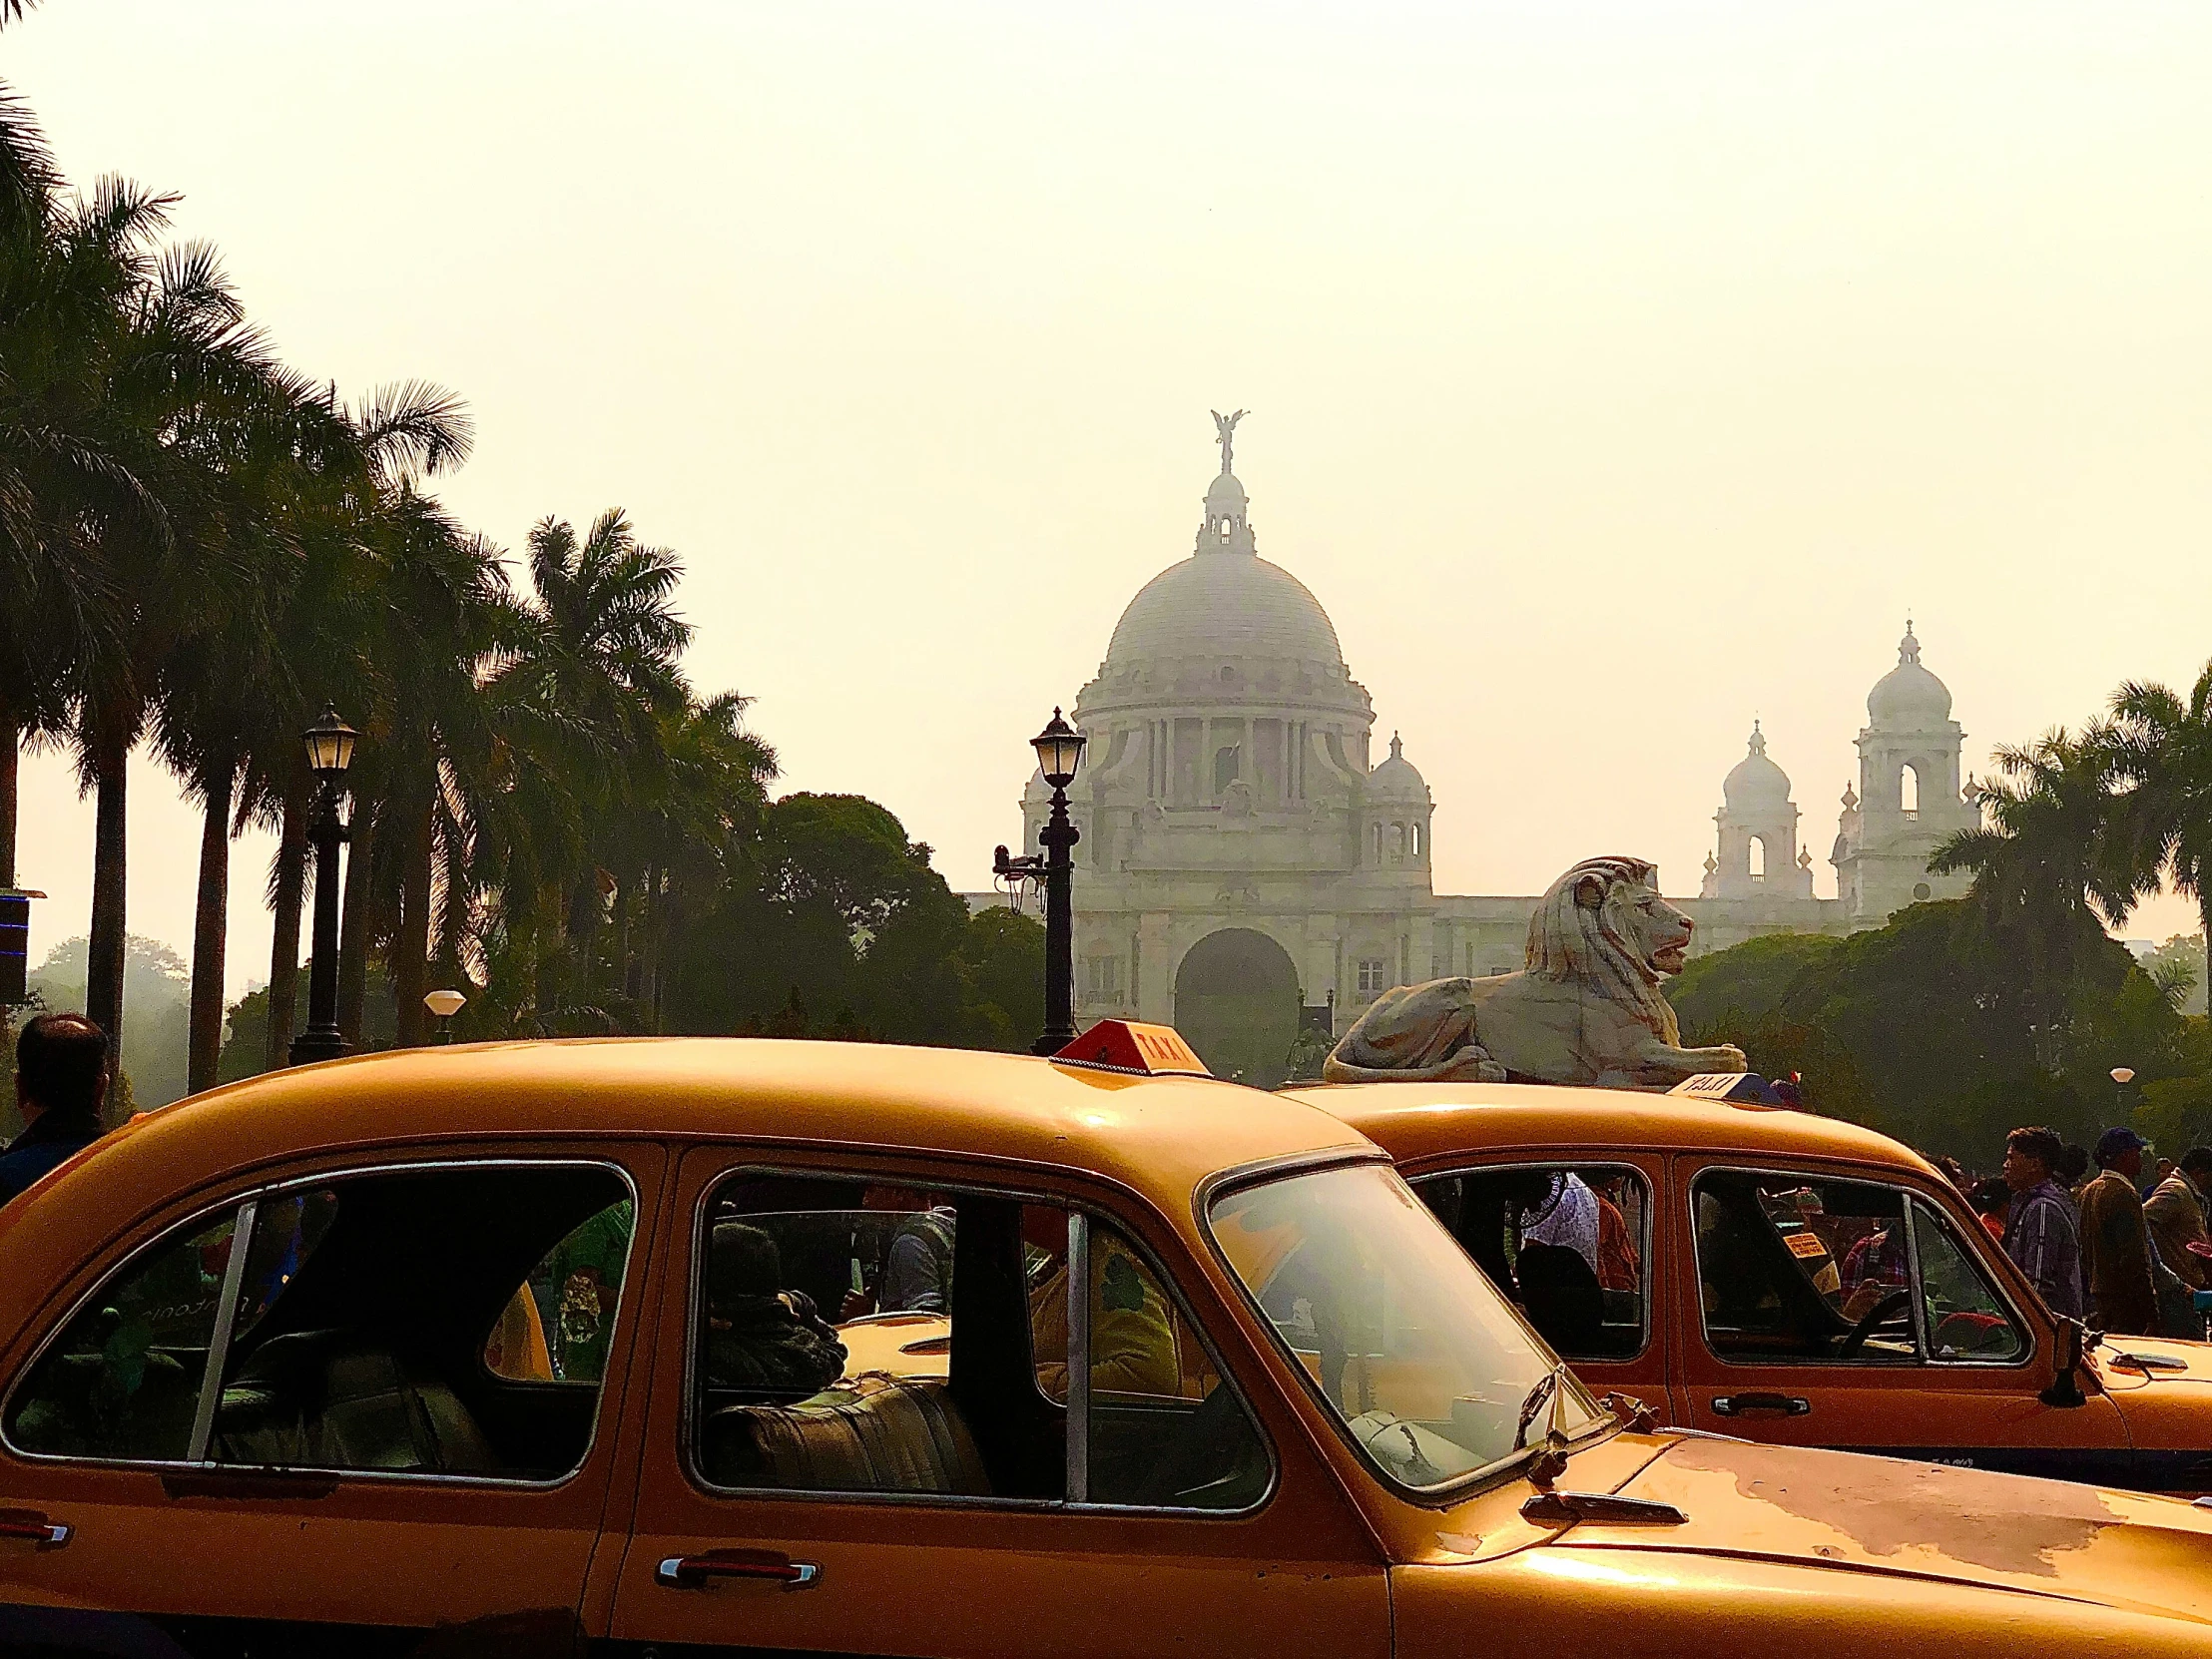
(855, 1336)
(1568, 1242)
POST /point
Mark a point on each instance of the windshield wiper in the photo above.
(1545, 1392)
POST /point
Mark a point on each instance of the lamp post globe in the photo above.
(444, 1004)
(329, 742)
(1059, 749)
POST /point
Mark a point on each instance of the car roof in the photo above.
(1418, 1122)
(1158, 1135)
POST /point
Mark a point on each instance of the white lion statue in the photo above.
(1586, 1008)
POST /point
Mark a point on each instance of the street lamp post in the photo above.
(329, 743)
(1059, 749)
(2121, 1077)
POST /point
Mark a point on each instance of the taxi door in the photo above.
(377, 1473)
(1819, 1307)
(786, 1552)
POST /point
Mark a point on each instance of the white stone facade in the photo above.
(1242, 860)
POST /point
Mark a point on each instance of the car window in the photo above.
(556, 1326)
(1967, 1319)
(1566, 1242)
(1416, 1352)
(375, 1293)
(123, 1381)
(1153, 1439)
(1804, 1268)
(852, 1335)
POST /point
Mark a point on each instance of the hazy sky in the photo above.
(1618, 371)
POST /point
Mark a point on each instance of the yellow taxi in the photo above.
(694, 1346)
(1783, 1277)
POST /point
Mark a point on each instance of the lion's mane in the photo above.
(1582, 931)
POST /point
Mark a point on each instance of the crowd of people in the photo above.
(2123, 1252)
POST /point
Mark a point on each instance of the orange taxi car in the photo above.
(467, 1351)
(1784, 1277)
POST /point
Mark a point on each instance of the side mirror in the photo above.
(2066, 1387)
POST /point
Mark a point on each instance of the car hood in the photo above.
(2170, 1361)
(1924, 1521)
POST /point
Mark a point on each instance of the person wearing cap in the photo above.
(2115, 1248)
(61, 1078)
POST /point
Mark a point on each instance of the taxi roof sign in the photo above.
(1739, 1088)
(1127, 1045)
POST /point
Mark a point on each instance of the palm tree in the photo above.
(179, 363)
(580, 701)
(332, 633)
(2046, 877)
(2161, 757)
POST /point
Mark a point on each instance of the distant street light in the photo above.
(1059, 749)
(444, 1004)
(329, 743)
(2121, 1077)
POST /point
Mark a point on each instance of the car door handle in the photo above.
(36, 1529)
(694, 1572)
(1790, 1406)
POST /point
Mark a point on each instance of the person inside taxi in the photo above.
(2116, 1246)
(61, 1078)
(2040, 1234)
(1876, 1265)
(1133, 1343)
(760, 1336)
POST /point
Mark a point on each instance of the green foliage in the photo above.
(158, 984)
(1929, 1029)
(847, 932)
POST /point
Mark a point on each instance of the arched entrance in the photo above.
(1237, 1003)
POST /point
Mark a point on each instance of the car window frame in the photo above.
(1078, 1211)
(1490, 1476)
(246, 1206)
(1648, 1232)
(1897, 1181)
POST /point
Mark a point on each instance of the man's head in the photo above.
(2120, 1149)
(61, 1068)
(2029, 1156)
(2196, 1163)
(2071, 1164)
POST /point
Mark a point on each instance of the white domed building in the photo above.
(1243, 869)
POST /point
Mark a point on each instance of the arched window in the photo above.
(1224, 529)
(1376, 836)
(1412, 838)
(1225, 768)
(1909, 790)
(1758, 857)
(1398, 842)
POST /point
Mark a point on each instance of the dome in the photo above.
(1909, 696)
(1224, 601)
(1396, 778)
(1756, 780)
(1224, 605)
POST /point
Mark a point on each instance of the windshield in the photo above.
(1433, 1375)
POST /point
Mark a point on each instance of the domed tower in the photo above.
(1909, 798)
(1394, 837)
(1225, 805)
(1758, 850)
